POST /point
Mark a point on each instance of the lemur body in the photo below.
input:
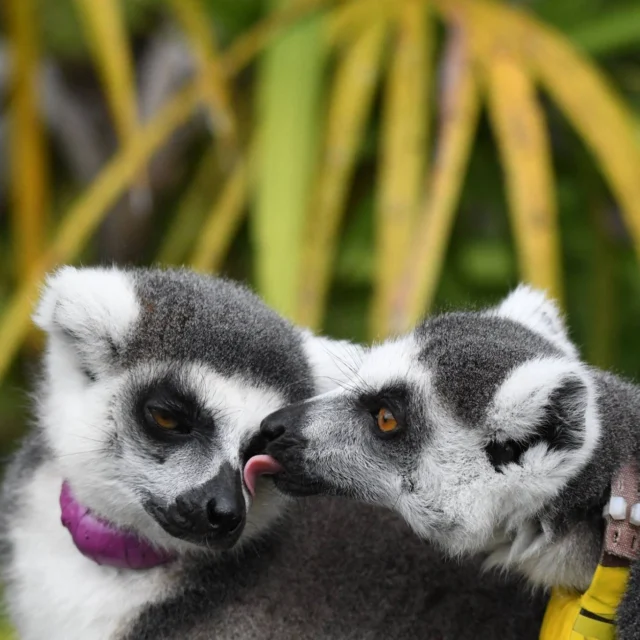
(122, 344)
(489, 436)
(153, 390)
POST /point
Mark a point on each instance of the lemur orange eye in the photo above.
(386, 421)
(163, 419)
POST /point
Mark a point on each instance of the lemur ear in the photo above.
(333, 362)
(547, 400)
(533, 309)
(90, 309)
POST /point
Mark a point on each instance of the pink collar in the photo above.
(103, 542)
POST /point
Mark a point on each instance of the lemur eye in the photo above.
(163, 419)
(386, 422)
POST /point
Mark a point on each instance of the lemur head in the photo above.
(155, 383)
(468, 427)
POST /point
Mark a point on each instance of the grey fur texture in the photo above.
(344, 571)
(502, 442)
(213, 353)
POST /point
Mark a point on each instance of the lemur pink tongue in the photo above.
(259, 466)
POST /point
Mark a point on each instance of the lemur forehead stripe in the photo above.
(190, 317)
(472, 354)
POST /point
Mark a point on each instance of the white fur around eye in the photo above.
(389, 362)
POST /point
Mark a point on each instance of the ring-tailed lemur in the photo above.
(154, 383)
(154, 387)
(486, 432)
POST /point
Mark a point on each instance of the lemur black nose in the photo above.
(272, 427)
(225, 508)
(224, 516)
(211, 513)
(289, 420)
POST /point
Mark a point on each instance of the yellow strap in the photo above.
(589, 628)
(570, 616)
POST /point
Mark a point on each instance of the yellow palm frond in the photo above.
(302, 186)
(212, 80)
(346, 22)
(458, 117)
(222, 222)
(350, 101)
(184, 226)
(289, 98)
(250, 44)
(597, 112)
(103, 21)
(28, 150)
(109, 43)
(521, 132)
(82, 219)
(404, 152)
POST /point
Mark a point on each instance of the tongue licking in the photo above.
(259, 466)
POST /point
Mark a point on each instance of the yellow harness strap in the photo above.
(571, 616)
(591, 616)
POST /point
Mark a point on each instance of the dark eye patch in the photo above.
(172, 398)
(393, 396)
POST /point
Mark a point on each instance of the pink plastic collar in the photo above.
(104, 543)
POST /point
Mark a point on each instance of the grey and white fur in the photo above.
(497, 440)
(211, 351)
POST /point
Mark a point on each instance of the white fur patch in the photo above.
(333, 362)
(391, 361)
(81, 419)
(520, 402)
(88, 302)
(56, 592)
(91, 309)
(533, 309)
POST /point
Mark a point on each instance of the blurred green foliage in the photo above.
(602, 280)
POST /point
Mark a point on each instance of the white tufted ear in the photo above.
(533, 309)
(90, 309)
(549, 400)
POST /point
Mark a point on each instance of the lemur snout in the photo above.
(225, 513)
(272, 427)
(212, 513)
(285, 444)
(284, 421)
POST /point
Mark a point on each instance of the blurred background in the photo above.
(359, 162)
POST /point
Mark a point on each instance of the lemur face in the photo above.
(155, 384)
(467, 427)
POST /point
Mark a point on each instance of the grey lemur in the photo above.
(486, 432)
(124, 514)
